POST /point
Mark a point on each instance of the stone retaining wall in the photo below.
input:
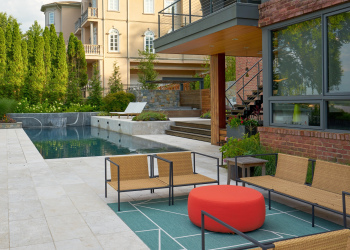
(158, 99)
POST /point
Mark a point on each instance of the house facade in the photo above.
(304, 46)
(113, 31)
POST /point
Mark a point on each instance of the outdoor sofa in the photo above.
(335, 240)
(330, 188)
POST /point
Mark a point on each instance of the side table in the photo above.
(244, 163)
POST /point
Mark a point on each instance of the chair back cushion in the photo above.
(182, 164)
(331, 177)
(292, 168)
(131, 167)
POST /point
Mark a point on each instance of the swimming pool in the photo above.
(68, 142)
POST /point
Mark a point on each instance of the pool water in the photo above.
(87, 141)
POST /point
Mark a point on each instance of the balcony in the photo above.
(89, 13)
(208, 27)
(92, 50)
(77, 25)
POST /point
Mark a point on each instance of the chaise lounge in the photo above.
(134, 108)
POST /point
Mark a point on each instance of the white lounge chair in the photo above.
(134, 108)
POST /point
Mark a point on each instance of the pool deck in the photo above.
(60, 204)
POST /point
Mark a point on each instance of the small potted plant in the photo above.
(237, 127)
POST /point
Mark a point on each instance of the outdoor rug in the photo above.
(168, 227)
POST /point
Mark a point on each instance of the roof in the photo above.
(74, 3)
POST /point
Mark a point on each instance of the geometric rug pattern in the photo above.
(161, 226)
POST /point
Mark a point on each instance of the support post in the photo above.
(189, 11)
(217, 79)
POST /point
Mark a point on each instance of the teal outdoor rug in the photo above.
(168, 227)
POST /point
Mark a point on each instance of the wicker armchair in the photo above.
(184, 172)
(130, 173)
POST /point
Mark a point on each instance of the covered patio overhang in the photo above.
(231, 31)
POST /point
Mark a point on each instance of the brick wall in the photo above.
(241, 64)
(275, 11)
(334, 147)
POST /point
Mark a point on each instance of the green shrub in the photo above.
(7, 106)
(103, 113)
(117, 102)
(249, 146)
(24, 106)
(76, 107)
(150, 116)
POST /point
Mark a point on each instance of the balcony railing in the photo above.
(183, 12)
(77, 24)
(91, 49)
(89, 13)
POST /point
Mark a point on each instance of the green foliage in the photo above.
(117, 102)
(206, 115)
(47, 56)
(81, 67)
(53, 45)
(73, 94)
(71, 56)
(76, 107)
(61, 70)
(5, 20)
(25, 106)
(2, 61)
(7, 106)
(35, 30)
(249, 146)
(115, 82)
(95, 92)
(237, 120)
(230, 69)
(150, 116)
(14, 76)
(24, 58)
(103, 113)
(146, 71)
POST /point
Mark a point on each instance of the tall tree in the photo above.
(8, 40)
(37, 75)
(53, 45)
(47, 54)
(35, 30)
(15, 68)
(146, 71)
(5, 20)
(81, 68)
(95, 92)
(2, 60)
(115, 81)
(71, 56)
(61, 75)
(25, 67)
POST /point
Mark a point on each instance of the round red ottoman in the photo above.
(241, 207)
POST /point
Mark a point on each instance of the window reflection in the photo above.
(297, 59)
(301, 114)
(338, 115)
(339, 53)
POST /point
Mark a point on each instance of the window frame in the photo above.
(112, 32)
(145, 40)
(113, 5)
(53, 17)
(148, 5)
(321, 99)
(166, 5)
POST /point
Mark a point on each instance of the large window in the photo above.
(51, 18)
(149, 41)
(297, 59)
(148, 6)
(339, 53)
(310, 73)
(113, 5)
(114, 40)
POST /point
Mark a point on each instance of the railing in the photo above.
(183, 12)
(89, 13)
(91, 49)
(77, 24)
(253, 74)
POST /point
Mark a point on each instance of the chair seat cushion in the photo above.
(180, 180)
(138, 184)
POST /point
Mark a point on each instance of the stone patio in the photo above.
(60, 204)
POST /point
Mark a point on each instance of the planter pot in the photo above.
(240, 131)
(10, 125)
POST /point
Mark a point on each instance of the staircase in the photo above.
(199, 130)
(251, 100)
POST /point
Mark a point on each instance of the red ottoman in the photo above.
(240, 207)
